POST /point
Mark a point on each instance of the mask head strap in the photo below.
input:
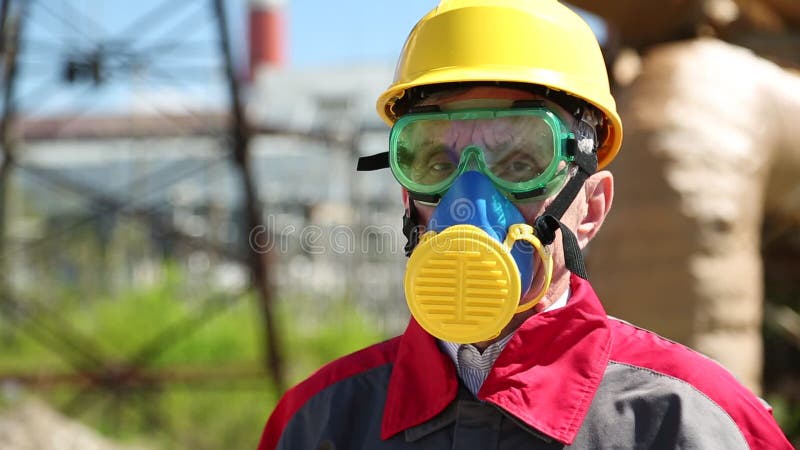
(547, 224)
(411, 227)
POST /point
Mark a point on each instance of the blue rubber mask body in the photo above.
(473, 200)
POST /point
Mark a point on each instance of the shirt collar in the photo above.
(472, 365)
(546, 376)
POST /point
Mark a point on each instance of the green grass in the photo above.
(219, 415)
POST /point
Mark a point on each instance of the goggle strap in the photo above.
(528, 104)
(377, 161)
(424, 109)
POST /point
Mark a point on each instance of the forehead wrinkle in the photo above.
(498, 132)
(484, 133)
(458, 132)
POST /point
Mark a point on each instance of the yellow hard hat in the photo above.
(540, 42)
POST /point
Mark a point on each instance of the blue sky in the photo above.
(320, 33)
(335, 32)
(323, 32)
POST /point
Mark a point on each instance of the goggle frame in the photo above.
(540, 187)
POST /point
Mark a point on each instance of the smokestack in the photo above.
(267, 34)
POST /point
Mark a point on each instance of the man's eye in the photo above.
(517, 167)
(520, 166)
(440, 161)
(439, 166)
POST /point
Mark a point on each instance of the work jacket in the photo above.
(569, 378)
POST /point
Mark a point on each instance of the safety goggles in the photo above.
(523, 151)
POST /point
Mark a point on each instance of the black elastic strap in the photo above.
(528, 104)
(377, 161)
(545, 227)
(573, 257)
(534, 193)
(587, 165)
(567, 195)
(547, 224)
(423, 109)
(411, 228)
(432, 199)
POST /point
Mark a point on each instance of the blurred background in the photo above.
(183, 234)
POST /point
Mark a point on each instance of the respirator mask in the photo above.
(476, 258)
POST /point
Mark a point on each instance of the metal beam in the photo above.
(259, 263)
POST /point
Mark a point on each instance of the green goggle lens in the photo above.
(520, 150)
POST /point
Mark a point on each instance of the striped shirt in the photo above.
(472, 366)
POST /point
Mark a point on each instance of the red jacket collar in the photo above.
(546, 376)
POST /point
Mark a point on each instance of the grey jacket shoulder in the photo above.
(638, 408)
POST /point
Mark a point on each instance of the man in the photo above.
(501, 115)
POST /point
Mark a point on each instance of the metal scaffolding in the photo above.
(96, 62)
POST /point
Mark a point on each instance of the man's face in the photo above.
(501, 97)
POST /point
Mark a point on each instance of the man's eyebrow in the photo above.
(424, 149)
(427, 143)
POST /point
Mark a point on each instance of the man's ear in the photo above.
(599, 191)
